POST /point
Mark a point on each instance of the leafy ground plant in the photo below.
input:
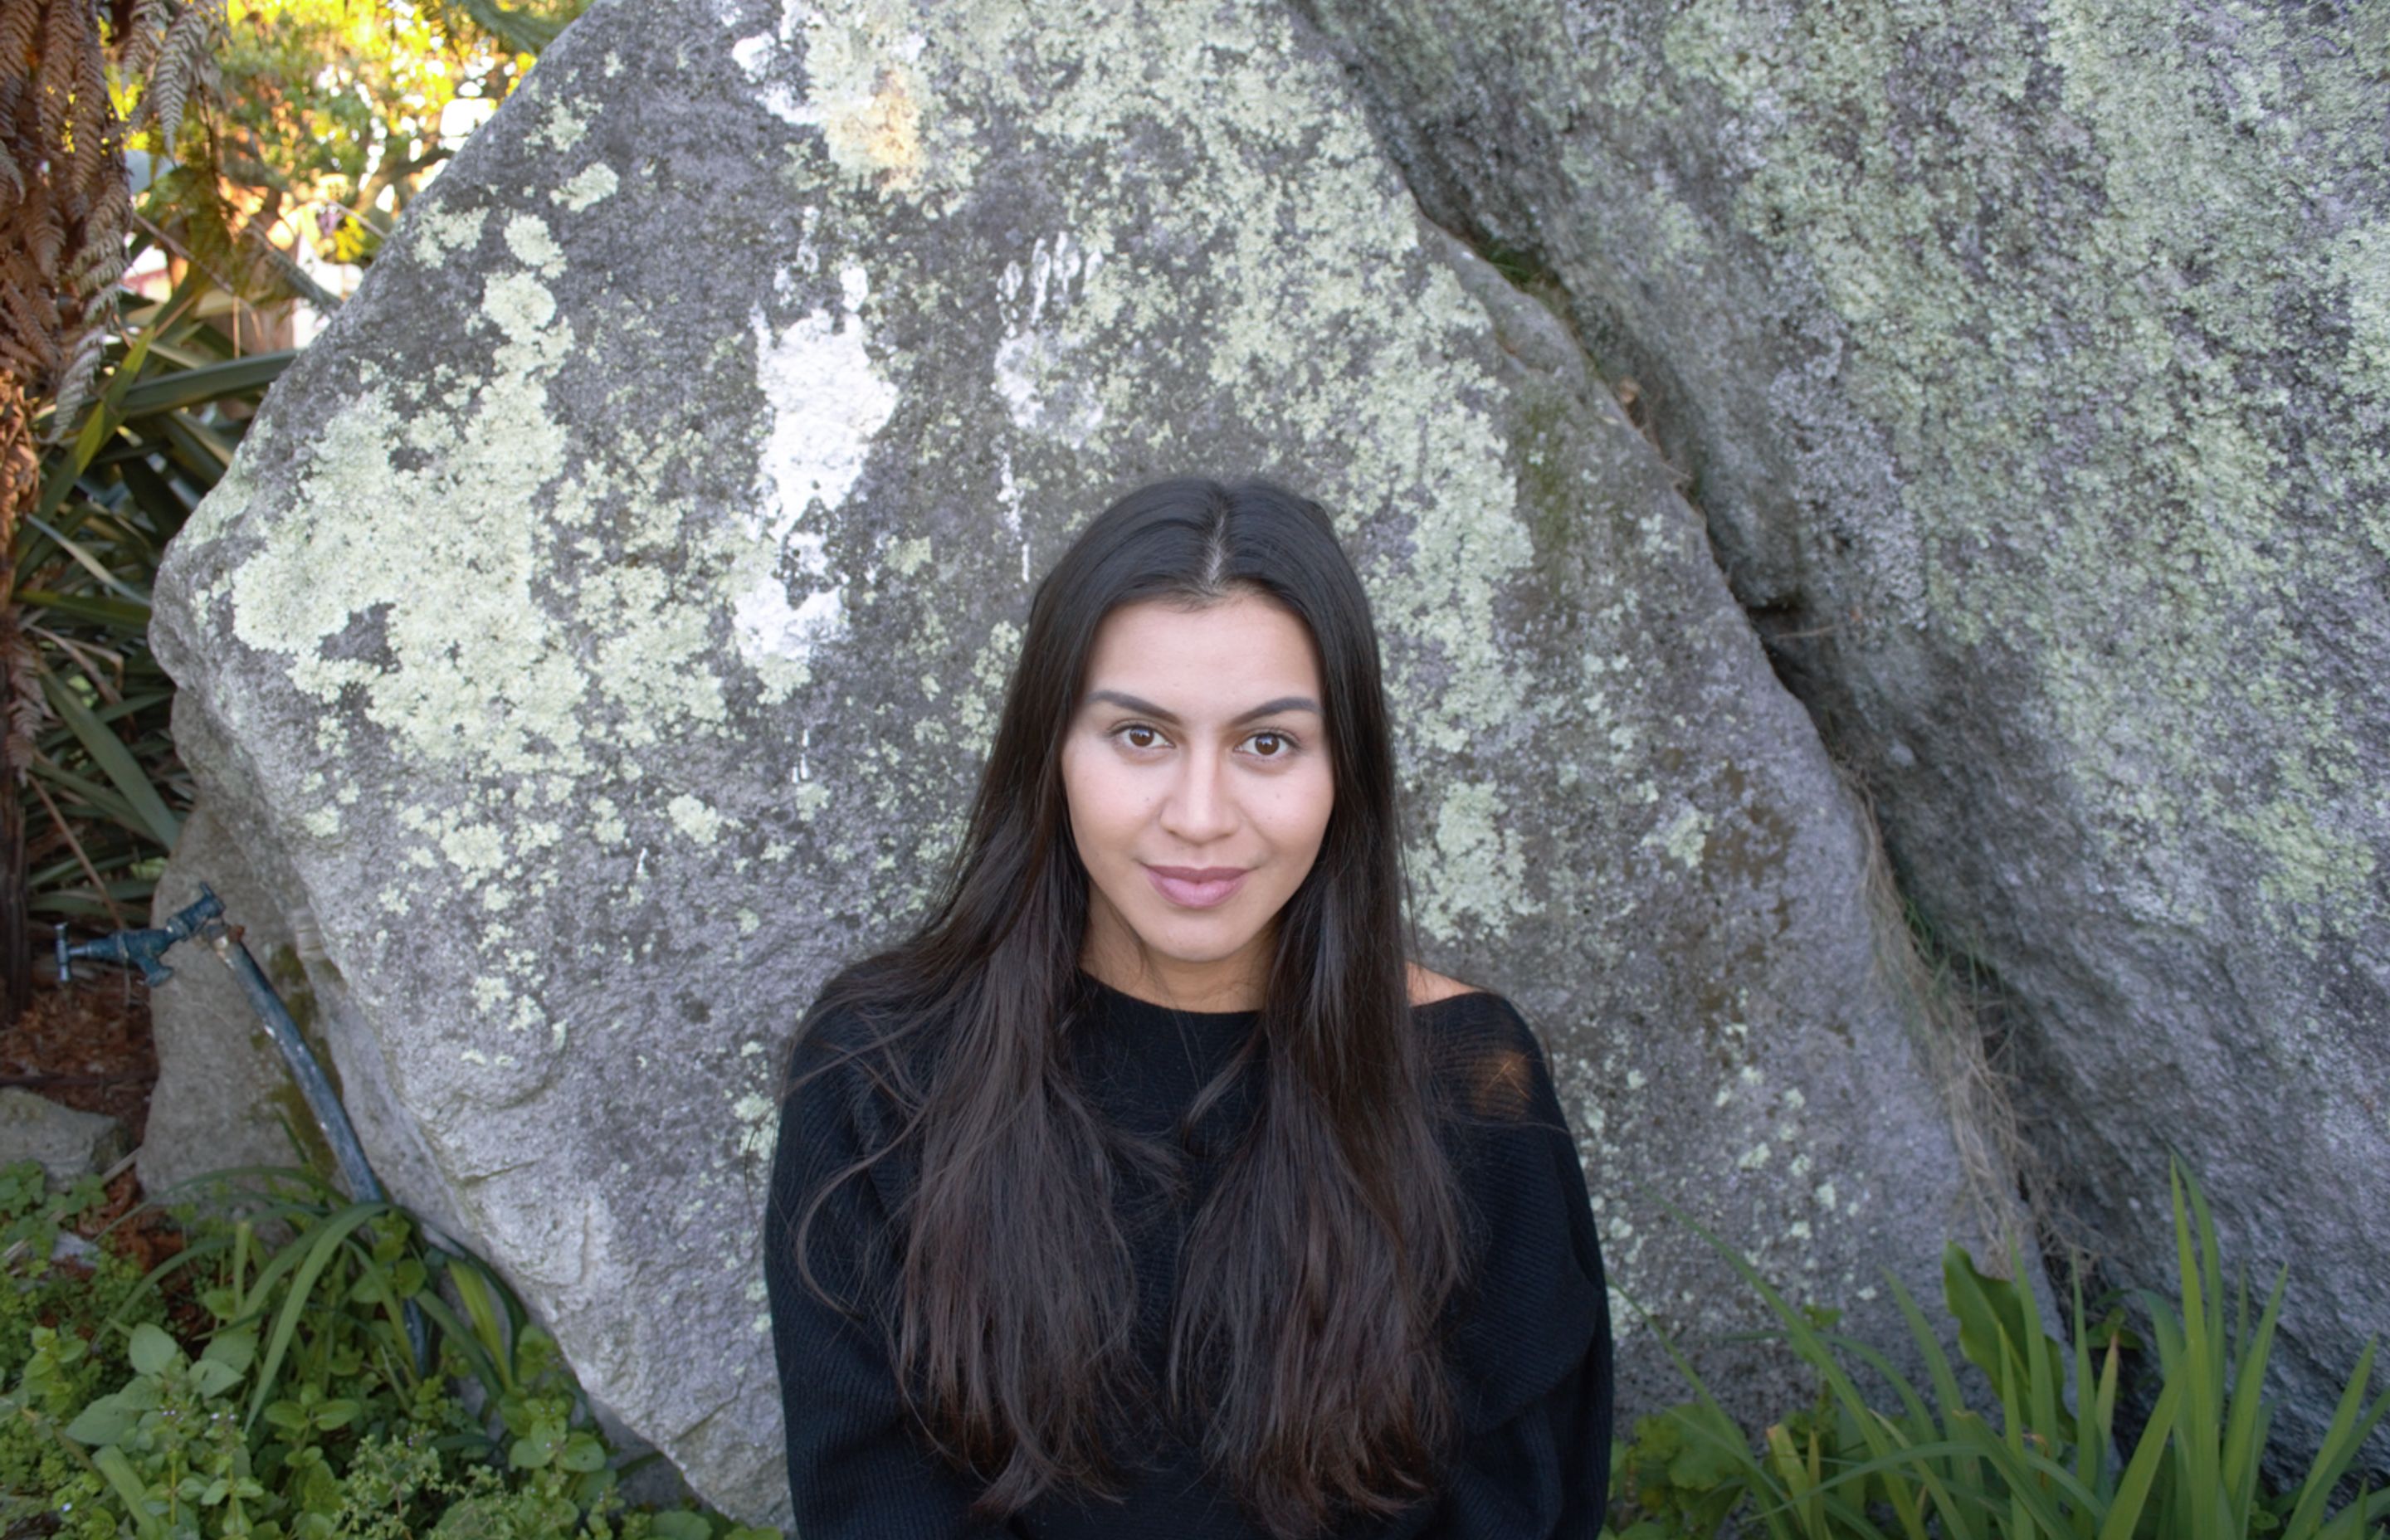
(2017, 1461)
(345, 1378)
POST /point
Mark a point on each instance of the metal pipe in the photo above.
(203, 920)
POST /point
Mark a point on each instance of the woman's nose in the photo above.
(1198, 809)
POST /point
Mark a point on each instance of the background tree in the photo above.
(330, 117)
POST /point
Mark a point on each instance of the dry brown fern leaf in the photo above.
(65, 204)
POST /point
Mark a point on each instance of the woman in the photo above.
(1149, 1190)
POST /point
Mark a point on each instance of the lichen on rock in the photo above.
(645, 550)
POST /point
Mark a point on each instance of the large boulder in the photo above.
(223, 1099)
(2031, 365)
(598, 637)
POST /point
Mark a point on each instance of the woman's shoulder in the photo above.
(1428, 987)
(1487, 1058)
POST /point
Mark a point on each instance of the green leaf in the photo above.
(680, 1524)
(212, 1379)
(112, 1464)
(582, 1450)
(234, 1350)
(106, 1420)
(2141, 1473)
(128, 614)
(176, 389)
(315, 1251)
(110, 754)
(151, 1351)
(88, 561)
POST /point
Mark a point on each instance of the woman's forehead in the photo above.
(1202, 660)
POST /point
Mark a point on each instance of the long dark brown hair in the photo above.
(1307, 1335)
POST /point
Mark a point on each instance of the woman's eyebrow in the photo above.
(1146, 708)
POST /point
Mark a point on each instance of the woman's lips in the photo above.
(1196, 888)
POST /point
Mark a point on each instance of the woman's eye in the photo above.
(1140, 737)
(1280, 746)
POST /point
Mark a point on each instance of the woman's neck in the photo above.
(1232, 982)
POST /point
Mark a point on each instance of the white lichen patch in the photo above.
(1038, 372)
(753, 1114)
(864, 88)
(1683, 838)
(561, 129)
(829, 399)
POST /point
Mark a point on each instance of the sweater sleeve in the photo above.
(857, 1467)
(1536, 1340)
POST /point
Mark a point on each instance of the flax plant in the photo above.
(2042, 1460)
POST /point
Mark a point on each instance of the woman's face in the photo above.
(1198, 776)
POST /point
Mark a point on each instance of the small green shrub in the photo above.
(347, 1379)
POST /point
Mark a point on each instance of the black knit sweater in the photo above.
(1532, 1344)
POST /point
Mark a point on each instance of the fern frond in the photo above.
(19, 21)
(75, 381)
(97, 265)
(64, 25)
(44, 236)
(18, 361)
(137, 51)
(27, 709)
(31, 328)
(187, 60)
(95, 170)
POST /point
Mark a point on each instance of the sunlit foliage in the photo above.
(336, 111)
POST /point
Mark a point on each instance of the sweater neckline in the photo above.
(1119, 1001)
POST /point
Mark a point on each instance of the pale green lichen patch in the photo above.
(2082, 335)
(701, 824)
(437, 232)
(1684, 837)
(864, 88)
(455, 644)
(533, 245)
(1480, 860)
(591, 184)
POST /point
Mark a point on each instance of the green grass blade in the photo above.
(2244, 1428)
(2141, 1471)
(109, 752)
(2202, 1347)
(131, 614)
(111, 1464)
(2351, 1424)
(63, 540)
(473, 1291)
(320, 1250)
